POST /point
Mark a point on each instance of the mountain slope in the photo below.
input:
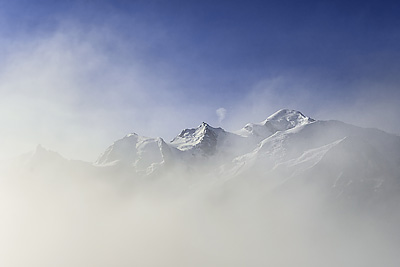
(286, 149)
(204, 144)
(281, 120)
(344, 160)
(143, 154)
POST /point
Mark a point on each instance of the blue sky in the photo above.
(89, 72)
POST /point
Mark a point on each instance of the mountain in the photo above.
(46, 163)
(203, 139)
(300, 188)
(208, 144)
(287, 150)
(346, 161)
(201, 144)
(285, 136)
(144, 154)
(281, 120)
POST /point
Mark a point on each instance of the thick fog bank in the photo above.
(84, 221)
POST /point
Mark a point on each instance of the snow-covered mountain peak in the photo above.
(285, 119)
(131, 135)
(281, 120)
(134, 150)
(42, 155)
(204, 137)
(40, 151)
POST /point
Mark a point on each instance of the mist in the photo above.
(109, 84)
(61, 212)
(87, 83)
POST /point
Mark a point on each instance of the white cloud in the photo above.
(68, 92)
(221, 113)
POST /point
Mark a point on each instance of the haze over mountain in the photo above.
(158, 147)
(285, 149)
(288, 191)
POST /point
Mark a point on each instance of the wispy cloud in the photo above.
(68, 91)
(221, 113)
